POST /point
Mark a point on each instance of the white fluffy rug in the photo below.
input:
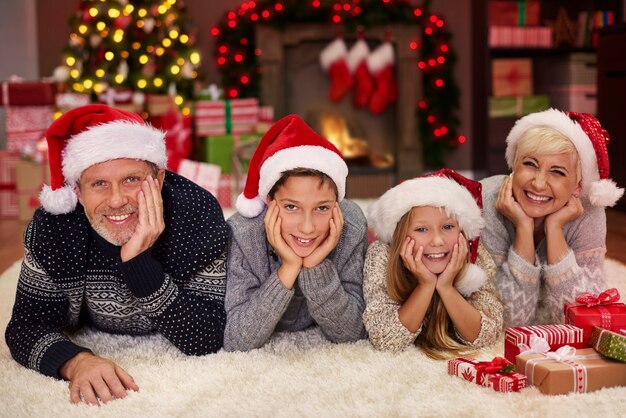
(294, 375)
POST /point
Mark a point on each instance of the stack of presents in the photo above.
(515, 23)
(586, 353)
(211, 146)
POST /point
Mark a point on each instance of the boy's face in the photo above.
(305, 209)
(437, 232)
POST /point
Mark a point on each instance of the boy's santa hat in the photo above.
(290, 143)
(590, 140)
(89, 135)
(459, 196)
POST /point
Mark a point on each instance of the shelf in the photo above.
(500, 52)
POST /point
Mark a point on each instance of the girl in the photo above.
(546, 226)
(418, 286)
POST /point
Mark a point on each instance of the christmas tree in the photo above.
(141, 45)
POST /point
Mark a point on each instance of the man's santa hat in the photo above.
(90, 135)
(460, 197)
(290, 143)
(590, 140)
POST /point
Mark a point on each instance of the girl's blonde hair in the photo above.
(546, 140)
(435, 337)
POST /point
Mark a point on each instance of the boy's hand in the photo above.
(291, 262)
(321, 252)
(150, 220)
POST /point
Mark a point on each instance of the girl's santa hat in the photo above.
(90, 135)
(459, 196)
(590, 140)
(290, 143)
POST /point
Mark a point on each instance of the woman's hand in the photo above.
(508, 206)
(556, 221)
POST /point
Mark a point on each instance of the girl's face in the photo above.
(305, 212)
(543, 183)
(437, 232)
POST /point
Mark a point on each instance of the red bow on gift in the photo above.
(604, 298)
(497, 365)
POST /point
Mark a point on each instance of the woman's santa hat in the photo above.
(90, 135)
(459, 196)
(590, 140)
(290, 143)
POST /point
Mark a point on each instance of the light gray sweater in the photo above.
(329, 294)
(535, 294)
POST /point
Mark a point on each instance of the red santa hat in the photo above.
(459, 196)
(290, 143)
(590, 140)
(90, 135)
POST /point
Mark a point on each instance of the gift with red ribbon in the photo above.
(8, 193)
(518, 339)
(601, 310)
(570, 370)
(497, 374)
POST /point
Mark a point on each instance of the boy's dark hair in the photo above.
(302, 172)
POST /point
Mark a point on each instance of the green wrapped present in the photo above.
(222, 149)
(608, 343)
(502, 107)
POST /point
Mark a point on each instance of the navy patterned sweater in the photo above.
(72, 277)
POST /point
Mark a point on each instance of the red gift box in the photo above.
(178, 138)
(596, 310)
(520, 36)
(555, 335)
(512, 13)
(31, 93)
(488, 374)
(219, 117)
(25, 126)
(225, 191)
(512, 77)
(204, 175)
(8, 193)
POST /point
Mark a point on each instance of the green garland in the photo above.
(235, 36)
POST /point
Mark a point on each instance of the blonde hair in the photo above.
(546, 140)
(435, 337)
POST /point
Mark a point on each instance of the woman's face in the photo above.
(543, 183)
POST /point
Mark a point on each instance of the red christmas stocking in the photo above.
(357, 63)
(333, 61)
(380, 64)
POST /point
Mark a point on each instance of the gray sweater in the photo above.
(535, 294)
(329, 294)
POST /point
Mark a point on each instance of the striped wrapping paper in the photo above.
(556, 335)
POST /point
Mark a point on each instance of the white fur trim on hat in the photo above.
(305, 156)
(380, 58)
(359, 52)
(59, 201)
(559, 121)
(386, 212)
(111, 141)
(332, 52)
(473, 279)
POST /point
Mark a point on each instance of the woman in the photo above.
(545, 222)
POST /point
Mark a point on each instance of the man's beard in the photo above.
(116, 235)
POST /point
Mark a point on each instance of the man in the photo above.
(120, 245)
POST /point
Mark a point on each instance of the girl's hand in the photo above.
(456, 266)
(573, 209)
(414, 263)
(321, 252)
(272, 231)
(508, 206)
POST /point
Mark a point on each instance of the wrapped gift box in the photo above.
(513, 12)
(27, 93)
(204, 175)
(512, 77)
(556, 336)
(30, 177)
(178, 136)
(576, 98)
(8, 193)
(471, 371)
(586, 371)
(225, 191)
(67, 101)
(160, 104)
(515, 106)
(520, 37)
(218, 117)
(611, 316)
(26, 125)
(608, 343)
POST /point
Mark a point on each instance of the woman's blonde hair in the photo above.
(435, 337)
(546, 140)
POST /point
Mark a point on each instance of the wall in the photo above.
(53, 18)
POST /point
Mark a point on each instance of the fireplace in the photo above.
(379, 149)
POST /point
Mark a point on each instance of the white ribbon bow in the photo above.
(564, 353)
(538, 345)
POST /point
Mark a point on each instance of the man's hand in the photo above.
(321, 252)
(150, 224)
(94, 378)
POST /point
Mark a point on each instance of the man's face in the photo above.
(305, 211)
(108, 191)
